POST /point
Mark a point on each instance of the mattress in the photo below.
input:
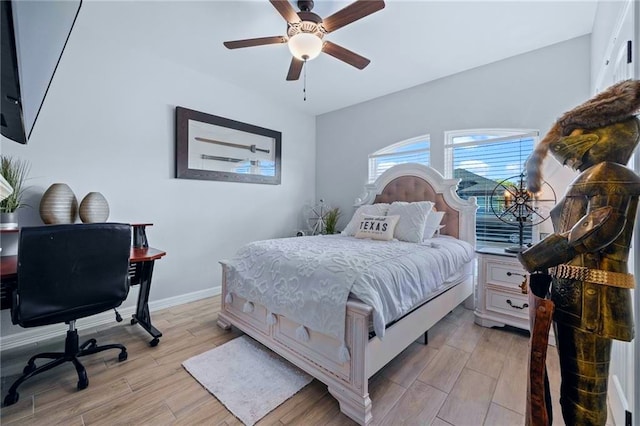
(436, 266)
(451, 282)
(309, 279)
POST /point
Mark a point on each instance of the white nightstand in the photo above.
(502, 290)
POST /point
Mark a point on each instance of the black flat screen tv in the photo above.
(33, 35)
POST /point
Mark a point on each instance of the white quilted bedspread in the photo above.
(308, 279)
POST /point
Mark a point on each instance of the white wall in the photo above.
(527, 91)
(107, 125)
(606, 22)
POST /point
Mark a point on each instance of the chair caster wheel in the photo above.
(83, 384)
(134, 321)
(83, 381)
(118, 317)
(11, 399)
(29, 368)
(154, 342)
(123, 356)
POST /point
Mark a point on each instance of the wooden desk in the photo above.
(141, 261)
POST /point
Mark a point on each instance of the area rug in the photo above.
(247, 378)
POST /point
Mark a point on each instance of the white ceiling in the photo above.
(408, 42)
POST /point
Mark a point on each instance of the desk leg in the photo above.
(142, 315)
(140, 237)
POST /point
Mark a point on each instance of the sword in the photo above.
(229, 159)
(215, 157)
(251, 148)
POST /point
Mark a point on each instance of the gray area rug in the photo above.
(247, 378)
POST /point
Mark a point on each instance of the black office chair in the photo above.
(66, 272)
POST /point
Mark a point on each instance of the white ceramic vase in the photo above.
(58, 204)
(94, 208)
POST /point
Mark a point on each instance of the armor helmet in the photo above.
(584, 148)
(589, 133)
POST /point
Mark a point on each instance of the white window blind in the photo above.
(414, 150)
(482, 159)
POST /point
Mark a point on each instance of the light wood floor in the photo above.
(466, 375)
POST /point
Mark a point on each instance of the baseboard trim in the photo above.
(184, 298)
(32, 336)
(617, 401)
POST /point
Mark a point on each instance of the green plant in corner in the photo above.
(331, 220)
(15, 173)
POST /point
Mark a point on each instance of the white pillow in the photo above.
(413, 217)
(379, 209)
(377, 227)
(433, 224)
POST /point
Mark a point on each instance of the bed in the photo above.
(345, 364)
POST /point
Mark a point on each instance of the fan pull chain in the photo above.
(304, 86)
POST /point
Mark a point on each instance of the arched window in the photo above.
(414, 150)
(482, 158)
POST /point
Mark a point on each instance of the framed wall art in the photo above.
(217, 148)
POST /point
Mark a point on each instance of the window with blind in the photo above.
(482, 159)
(414, 150)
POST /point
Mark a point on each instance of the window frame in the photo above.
(500, 135)
(387, 151)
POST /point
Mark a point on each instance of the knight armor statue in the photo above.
(586, 255)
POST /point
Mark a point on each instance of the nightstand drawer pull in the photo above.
(503, 274)
(526, 305)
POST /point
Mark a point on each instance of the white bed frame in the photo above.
(348, 382)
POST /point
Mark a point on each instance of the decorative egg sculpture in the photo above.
(94, 208)
(58, 204)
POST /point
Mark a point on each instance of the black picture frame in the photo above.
(210, 147)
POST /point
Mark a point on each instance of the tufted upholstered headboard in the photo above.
(416, 182)
(411, 189)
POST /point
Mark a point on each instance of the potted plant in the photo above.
(331, 221)
(15, 174)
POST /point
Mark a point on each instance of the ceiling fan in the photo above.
(306, 31)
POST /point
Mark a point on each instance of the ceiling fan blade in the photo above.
(356, 10)
(250, 42)
(345, 55)
(295, 69)
(286, 10)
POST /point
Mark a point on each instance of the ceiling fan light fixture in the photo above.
(306, 31)
(305, 46)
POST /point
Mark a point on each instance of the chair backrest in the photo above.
(66, 272)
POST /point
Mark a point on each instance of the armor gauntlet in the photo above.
(593, 232)
(551, 251)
